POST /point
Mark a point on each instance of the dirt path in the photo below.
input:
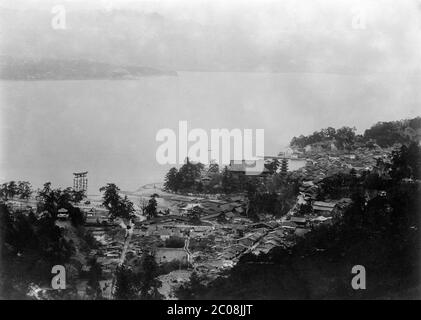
(122, 257)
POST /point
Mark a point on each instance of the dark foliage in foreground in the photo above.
(29, 249)
(140, 284)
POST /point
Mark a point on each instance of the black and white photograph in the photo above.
(210, 150)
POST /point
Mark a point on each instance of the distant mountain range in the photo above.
(56, 69)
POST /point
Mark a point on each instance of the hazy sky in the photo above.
(335, 63)
(289, 35)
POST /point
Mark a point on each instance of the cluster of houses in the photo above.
(243, 243)
(109, 252)
(323, 164)
(274, 238)
(237, 234)
(214, 207)
(173, 228)
(231, 233)
(317, 211)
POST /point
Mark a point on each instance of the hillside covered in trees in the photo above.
(31, 241)
(384, 134)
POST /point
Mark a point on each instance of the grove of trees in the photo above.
(187, 178)
(11, 189)
(51, 200)
(29, 248)
(342, 138)
(385, 134)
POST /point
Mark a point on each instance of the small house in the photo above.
(299, 221)
(288, 225)
(324, 208)
(62, 213)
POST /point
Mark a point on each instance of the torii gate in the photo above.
(80, 181)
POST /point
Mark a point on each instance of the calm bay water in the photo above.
(50, 129)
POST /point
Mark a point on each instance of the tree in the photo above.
(117, 206)
(329, 133)
(94, 276)
(48, 199)
(45, 192)
(143, 203)
(12, 189)
(3, 191)
(126, 287)
(345, 137)
(111, 197)
(150, 209)
(413, 134)
(227, 184)
(143, 285)
(171, 180)
(406, 162)
(78, 195)
(337, 185)
(24, 189)
(213, 169)
(272, 166)
(194, 215)
(192, 289)
(148, 283)
(125, 208)
(189, 174)
(299, 142)
(64, 197)
(386, 134)
(76, 216)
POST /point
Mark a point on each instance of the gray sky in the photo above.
(220, 35)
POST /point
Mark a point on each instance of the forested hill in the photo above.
(384, 134)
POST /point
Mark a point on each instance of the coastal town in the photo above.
(205, 234)
(206, 150)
